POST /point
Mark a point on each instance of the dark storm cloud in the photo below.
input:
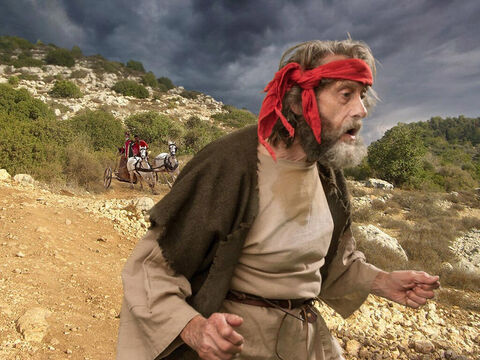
(428, 51)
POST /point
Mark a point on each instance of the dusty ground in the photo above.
(57, 256)
(64, 253)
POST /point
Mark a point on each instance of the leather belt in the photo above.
(250, 299)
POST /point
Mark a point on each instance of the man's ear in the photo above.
(296, 108)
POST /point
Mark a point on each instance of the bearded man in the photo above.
(257, 228)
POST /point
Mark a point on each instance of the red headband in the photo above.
(292, 74)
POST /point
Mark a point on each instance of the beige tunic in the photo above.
(286, 246)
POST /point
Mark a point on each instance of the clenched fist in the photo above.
(214, 338)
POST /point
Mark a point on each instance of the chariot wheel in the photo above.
(107, 177)
(170, 178)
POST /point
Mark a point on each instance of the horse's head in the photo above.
(143, 152)
(172, 148)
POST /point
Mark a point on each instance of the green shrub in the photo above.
(31, 139)
(31, 77)
(61, 57)
(10, 43)
(79, 74)
(397, 156)
(76, 52)
(25, 60)
(100, 127)
(166, 82)
(154, 128)
(190, 94)
(65, 89)
(131, 88)
(162, 88)
(199, 133)
(135, 65)
(236, 118)
(13, 80)
(149, 80)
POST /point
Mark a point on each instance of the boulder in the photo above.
(33, 324)
(4, 175)
(143, 204)
(378, 184)
(24, 179)
(372, 233)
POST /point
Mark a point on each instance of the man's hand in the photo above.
(214, 338)
(410, 288)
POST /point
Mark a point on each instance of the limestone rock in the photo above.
(33, 324)
(423, 346)
(353, 347)
(378, 184)
(372, 233)
(143, 204)
(24, 179)
(4, 175)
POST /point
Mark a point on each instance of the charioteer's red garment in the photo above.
(128, 148)
(136, 147)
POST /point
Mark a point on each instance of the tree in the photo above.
(397, 156)
(135, 65)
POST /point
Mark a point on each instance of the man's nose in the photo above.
(358, 108)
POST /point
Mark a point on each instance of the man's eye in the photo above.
(346, 94)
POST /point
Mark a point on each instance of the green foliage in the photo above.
(131, 88)
(135, 65)
(10, 43)
(65, 89)
(149, 79)
(236, 118)
(19, 103)
(25, 59)
(13, 80)
(26, 76)
(61, 57)
(31, 139)
(397, 156)
(168, 84)
(360, 172)
(76, 52)
(199, 133)
(190, 94)
(100, 127)
(79, 74)
(154, 128)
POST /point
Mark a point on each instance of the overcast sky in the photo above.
(428, 52)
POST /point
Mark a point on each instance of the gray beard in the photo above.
(330, 152)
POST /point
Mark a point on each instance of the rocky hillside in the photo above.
(96, 87)
(62, 254)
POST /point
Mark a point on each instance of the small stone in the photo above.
(33, 324)
(68, 351)
(20, 254)
(4, 175)
(102, 239)
(423, 346)
(353, 347)
(68, 222)
(42, 229)
(17, 271)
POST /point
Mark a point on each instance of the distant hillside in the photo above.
(63, 113)
(438, 154)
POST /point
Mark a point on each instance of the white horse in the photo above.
(139, 166)
(167, 164)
